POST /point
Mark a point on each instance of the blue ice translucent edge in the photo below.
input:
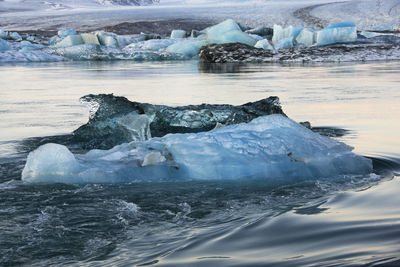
(285, 43)
(228, 31)
(306, 37)
(269, 147)
(329, 36)
(188, 47)
(341, 25)
(284, 33)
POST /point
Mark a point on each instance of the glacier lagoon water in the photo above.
(348, 221)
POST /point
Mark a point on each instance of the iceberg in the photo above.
(285, 43)
(306, 37)
(105, 130)
(264, 44)
(337, 33)
(66, 32)
(4, 45)
(89, 38)
(28, 46)
(268, 147)
(124, 40)
(188, 47)
(151, 45)
(107, 39)
(178, 34)
(228, 31)
(284, 33)
(29, 56)
(3, 35)
(15, 36)
(70, 40)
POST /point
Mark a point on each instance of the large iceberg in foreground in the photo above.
(269, 147)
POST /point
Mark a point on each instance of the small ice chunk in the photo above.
(70, 40)
(228, 32)
(15, 36)
(283, 33)
(264, 44)
(153, 158)
(3, 35)
(66, 32)
(306, 37)
(89, 38)
(188, 47)
(4, 45)
(285, 43)
(333, 35)
(178, 34)
(49, 160)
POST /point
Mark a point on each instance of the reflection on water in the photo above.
(42, 99)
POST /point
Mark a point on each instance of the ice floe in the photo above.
(268, 147)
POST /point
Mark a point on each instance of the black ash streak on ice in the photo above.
(104, 130)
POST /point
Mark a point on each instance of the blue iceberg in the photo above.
(228, 31)
(268, 147)
(4, 45)
(345, 32)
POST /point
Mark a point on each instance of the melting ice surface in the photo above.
(269, 147)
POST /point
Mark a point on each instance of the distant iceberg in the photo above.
(68, 44)
(269, 147)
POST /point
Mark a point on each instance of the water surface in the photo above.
(348, 221)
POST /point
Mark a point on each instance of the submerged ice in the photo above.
(268, 147)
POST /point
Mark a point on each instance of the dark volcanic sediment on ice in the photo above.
(162, 27)
(111, 114)
(237, 52)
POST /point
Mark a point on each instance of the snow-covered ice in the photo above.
(269, 147)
